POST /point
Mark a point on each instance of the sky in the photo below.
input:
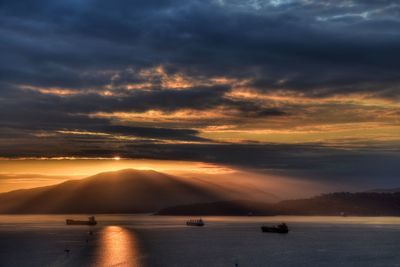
(306, 89)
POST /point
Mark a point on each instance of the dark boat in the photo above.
(280, 228)
(91, 221)
(198, 222)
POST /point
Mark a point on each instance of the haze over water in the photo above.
(145, 240)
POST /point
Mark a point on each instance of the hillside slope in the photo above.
(125, 191)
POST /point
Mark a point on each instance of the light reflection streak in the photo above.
(117, 247)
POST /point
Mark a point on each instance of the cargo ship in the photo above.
(198, 222)
(91, 221)
(280, 229)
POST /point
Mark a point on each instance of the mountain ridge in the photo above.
(123, 191)
(332, 204)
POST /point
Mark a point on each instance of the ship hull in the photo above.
(194, 224)
(266, 229)
(75, 222)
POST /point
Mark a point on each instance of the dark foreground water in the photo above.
(139, 240)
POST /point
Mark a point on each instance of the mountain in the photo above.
(124, 191)
(356, 204)
(384, 190)
(359, 204)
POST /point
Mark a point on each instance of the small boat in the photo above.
(91, 221)
(198, 222)
(280, 228)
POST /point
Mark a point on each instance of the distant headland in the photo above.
(148, 191)
(333, 204)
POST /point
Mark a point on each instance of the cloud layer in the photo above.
(163, 78)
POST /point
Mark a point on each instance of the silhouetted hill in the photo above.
(362, 204)
(125, 191)
(384, 190)
(355, 204)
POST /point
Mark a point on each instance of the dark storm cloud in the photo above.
(319, 48)
(160, 133)
(251, 109)
(313, 44)
(332, 46)
(31, 110)
(135, 100)
(25, 112)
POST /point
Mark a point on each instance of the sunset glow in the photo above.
(28, 173)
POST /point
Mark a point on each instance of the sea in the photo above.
(148, 240)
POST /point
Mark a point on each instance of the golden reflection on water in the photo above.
(117, 247)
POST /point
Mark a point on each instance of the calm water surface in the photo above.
(145, 240)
